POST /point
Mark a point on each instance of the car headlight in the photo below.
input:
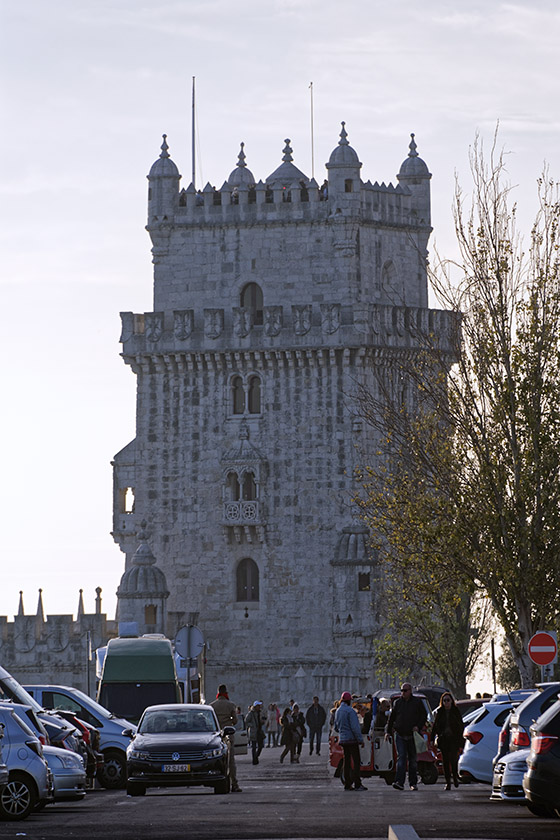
(69, 762)
(215, 753)
(137, 754)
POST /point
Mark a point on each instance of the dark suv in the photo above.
(541, 783)
(526, 713)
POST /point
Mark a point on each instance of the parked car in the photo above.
(541, 783)
(528, 711)
(481, 740)
(4, 774)
(507, 781)
(178, 744)
(112, 742)
(30, 781)
(69, 775)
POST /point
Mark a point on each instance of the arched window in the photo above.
(233, 487)
(247, 580)
(249, 487)
(254, 395)
(238, 393)
(252, 299)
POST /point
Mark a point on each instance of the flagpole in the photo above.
(193, 136)
(312, 141)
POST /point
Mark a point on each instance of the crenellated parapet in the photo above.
(53, 649)
(382, 204)
(304, 325)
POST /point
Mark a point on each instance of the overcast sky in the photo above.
(88, 88)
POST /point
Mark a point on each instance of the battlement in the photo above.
(305, 325)
(381, 204)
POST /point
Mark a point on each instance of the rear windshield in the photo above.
(549, 724)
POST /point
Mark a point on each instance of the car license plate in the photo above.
(176, 768)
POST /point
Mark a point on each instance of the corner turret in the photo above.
(414, 174)
(163, 192)
(344, 175)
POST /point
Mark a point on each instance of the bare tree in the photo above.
(468, 491)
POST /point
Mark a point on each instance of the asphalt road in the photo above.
(286, 801)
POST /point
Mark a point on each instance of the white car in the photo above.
(69, 775)
(481, 742)
(507, 783)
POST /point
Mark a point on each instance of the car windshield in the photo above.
(161, 721)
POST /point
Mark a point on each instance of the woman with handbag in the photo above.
(447, 733)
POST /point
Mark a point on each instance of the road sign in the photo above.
(543, 648)
(189, 642)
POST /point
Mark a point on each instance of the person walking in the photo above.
(289, 737)
(350, 738)
(447, 733)
(301, 732)
(254, 723)
(272, 725)
(315, 718)
(226, 712)
(408, 716)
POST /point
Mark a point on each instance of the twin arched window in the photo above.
(244, 490)
(246, 395)
(247, 580)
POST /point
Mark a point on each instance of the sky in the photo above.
(86, 91)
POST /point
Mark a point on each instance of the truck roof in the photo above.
(138, 659)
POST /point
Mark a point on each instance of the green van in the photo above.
(138, 672)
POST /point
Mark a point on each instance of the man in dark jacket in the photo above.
(315, 718)
(408, 716)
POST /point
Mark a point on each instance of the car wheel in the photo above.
(135, 789)
(113, 774)
(223, 787)
(428, 772)
(541, 810)
(17, 798)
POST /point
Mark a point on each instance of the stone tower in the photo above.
(273, 298)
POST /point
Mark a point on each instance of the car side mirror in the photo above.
(128, 733)
(229, 731)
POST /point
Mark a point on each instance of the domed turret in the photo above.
(163, 192)
(415, 175)
(241, 175)
(287, 174)
(413, 166)
(142, 592)
(344, 174)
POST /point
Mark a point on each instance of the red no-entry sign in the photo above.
(543, 648)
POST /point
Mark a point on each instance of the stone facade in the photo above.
(273, 300)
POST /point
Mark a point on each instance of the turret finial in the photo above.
(287, 152)
(164, 147)
(21, 611)
(241, 157)
(343, 136)
(412, 146)
(81, 604)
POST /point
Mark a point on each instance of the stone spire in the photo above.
(21, 611)
(98, 600)
(412, 146)
(40, 611)
(80, 605)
